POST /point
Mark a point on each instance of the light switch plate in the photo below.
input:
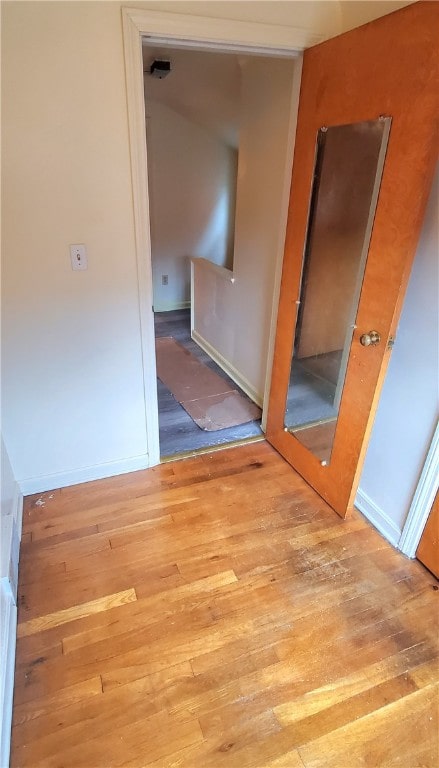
(78, 256)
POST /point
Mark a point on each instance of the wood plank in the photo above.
(309, 728)
(96, 716)
(70, 720)
(75, 612)
(31, 570)
(346, 688)
(72, 694)
(45, 596)
(291, 759)
(384, 737)
(127, 731)
(157, 606)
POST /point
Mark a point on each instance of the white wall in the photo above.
(192, 181)
(72, 366)
(408, 408)
(234, 318)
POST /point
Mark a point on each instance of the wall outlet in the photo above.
(78, 256)
(164, 279)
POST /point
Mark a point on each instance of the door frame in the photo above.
(188, 31)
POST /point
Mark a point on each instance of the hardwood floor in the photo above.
(215, 612)
(178, 433)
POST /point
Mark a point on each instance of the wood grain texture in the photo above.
(266, 633)
(353, 78)
(428, 548)
(57, 618)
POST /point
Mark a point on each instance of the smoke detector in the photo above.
(160, 68)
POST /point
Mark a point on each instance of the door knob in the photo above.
(370, 339)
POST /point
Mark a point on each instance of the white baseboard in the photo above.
(83, 475)
(164, 307)
(228, 368)
(17, 509)
(8, 640)
(377, 517)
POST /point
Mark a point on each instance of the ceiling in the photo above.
(203, 87)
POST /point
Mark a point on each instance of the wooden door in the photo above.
(428, 547)
(388, 68)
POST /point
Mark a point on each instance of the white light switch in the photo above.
(78, 256)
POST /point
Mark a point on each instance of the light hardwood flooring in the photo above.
(215, 612)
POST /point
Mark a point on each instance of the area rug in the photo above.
(205, 396)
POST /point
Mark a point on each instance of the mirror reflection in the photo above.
(348, 169)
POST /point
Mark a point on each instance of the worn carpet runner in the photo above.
(204, 395)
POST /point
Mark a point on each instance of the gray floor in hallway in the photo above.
(178, 432)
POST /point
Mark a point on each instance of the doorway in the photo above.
(246, 36)
(201, 32)
(219, 149)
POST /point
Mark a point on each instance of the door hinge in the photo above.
(391, 342)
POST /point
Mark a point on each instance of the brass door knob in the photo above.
(370, 339)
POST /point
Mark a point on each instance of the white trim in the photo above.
(8, 642)
(17, 509)
(279, 256)
(223, 272)
(377, 517)
(171, 306)
(422, 500)
(83, 475)
(139, 177)
(11, 523)
(13, 556)
(222, 34)
(228, 368)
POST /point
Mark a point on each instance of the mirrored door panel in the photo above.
(348, 169)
